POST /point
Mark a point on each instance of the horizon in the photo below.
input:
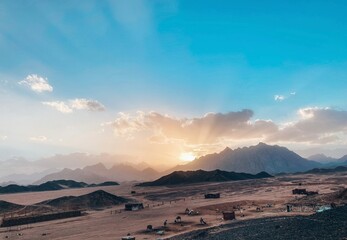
(168, 82)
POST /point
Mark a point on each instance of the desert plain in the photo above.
(250, 199)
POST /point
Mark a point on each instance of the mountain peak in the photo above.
(254, 159)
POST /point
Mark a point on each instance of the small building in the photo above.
(230, 215)
(310, 193)
(301, 191)
(128, 238)
(212, 195)
(133, 206)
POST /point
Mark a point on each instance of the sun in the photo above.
(187, 156)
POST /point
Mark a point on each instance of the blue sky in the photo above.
(182, 58)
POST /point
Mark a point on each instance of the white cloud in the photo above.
(76, 104)
(293, 93)
(37, 83)
(3, 138)
(86, 104)
(38, 139)
(279, 98)
(59, 106)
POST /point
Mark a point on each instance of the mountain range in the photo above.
(254, 159)
(51, 186)
(328, 160)
(99, 173)
(199, 176)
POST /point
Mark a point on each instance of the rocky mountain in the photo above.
(79, 175)
(99, 173)
(321, 158)
(188, 177)
(254, 159)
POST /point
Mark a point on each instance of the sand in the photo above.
(165, 203)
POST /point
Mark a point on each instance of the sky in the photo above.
(168, 81)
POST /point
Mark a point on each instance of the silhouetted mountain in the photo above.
(254, 159)
(321, 158)
(79, 175)
(327, 170)
(98, 173)
(51, 186)
(188, 177)
(95, 200)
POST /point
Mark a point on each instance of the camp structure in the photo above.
(212, 195)
(133, 206)
(303, 191)
(299, 191)
(230, 215)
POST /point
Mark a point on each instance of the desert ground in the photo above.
(270, 196)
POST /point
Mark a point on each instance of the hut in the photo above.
(128, 238)
(133, 206)
(229, 215)
(299, 191)
(212, 195)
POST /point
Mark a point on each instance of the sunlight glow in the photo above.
(187, 156)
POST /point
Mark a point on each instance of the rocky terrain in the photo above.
(328, 225)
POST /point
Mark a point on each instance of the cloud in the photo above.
(210, 128)
(59, 106)
(76, 104)
(293, 93)
(279, 98)
(3, 138)
(37, 83)
(315, 125)
(38, 139)
(85, 104)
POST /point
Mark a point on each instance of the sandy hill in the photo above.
(95, 200)
(182, 177)
(9, 207)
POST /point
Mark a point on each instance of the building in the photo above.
(212, 195)
(229, 215)
(133, 206)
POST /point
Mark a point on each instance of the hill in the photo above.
(254, 159)
(8, 207)
(327, 170)
(188, 177)
(98, 173)
(51, 186)
(95, 200)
